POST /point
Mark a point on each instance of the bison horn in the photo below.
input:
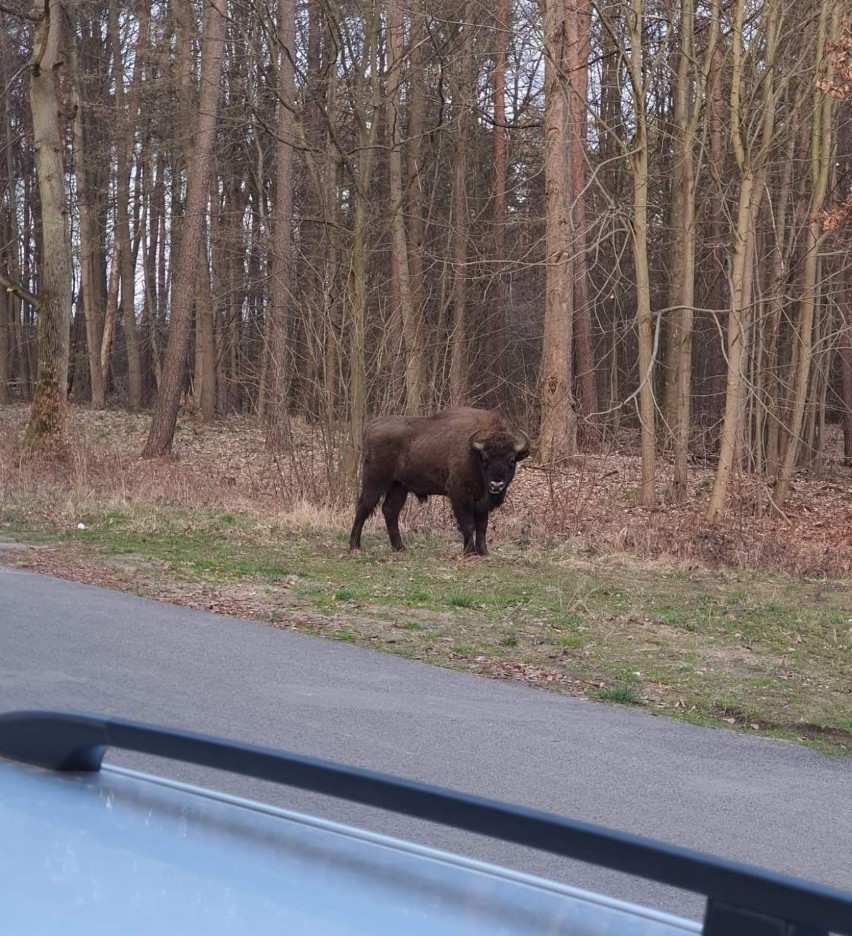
(478, 446)
(522, 443)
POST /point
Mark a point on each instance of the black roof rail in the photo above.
(742, 900)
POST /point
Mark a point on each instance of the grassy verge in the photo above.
(758, 652)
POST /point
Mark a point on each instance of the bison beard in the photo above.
(468, 455)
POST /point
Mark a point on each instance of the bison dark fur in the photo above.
(468, 455)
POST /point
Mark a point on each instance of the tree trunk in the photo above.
(204, 374)
(277, 421)
(87, 234)
(124, 144)
(639, 165)
(48, 411)
(558, 428)
(165, 415)
(777, 296)
(411, 332)
(7, 301)
(578, 29)
(717, 297)
(496, 324)
(367, 96)
(737, 326)
(417, 100)
(751, 163)
(688, 98)
(462, 75)
(845, 351)
(110, 314)
(819, 165)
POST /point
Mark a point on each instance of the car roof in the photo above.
(111, 820)
(120, 852)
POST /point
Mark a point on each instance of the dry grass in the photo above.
(587, 508)
(226, 467)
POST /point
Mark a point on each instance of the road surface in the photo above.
(771, 803)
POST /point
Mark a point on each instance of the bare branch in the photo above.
(17, 290)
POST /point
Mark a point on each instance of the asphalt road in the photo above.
(766, 802)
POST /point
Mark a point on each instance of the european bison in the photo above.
(468, 455)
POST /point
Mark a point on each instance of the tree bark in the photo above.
(87, 234)
(820, 153)
(367, 98)
(204, 372)
(110, 313)
(48, 411)
(578, 29)
(8, 314)
(163, 424)
(689, 95)
(124, 144)
(5, 344)
(751, 163)
(639, 165)
(417, 102)
(776, 301)
(277, 421)
(462, 77)
(558, 427)
(411, 332)
(845, 352)
(496, 324)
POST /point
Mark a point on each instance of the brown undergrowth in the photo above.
(589, 505)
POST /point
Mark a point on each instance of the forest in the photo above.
(614, 219)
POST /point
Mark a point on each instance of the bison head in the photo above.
(498, 454)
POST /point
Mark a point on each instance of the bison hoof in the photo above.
(475, 553)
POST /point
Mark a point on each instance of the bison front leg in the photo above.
(391, 508)
(467, 525)
(480, 519)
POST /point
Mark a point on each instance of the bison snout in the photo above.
(495, 487)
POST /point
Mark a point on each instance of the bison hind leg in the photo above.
(391, 508)
(366, 505)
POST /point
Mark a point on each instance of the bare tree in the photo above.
(558, 429)
(820, 153)
(578, 29)
(639, 166)
(82, 160)
(366, 95)
(688, 102)
(277, 421)
(174, 368)
(495, 337)
(125, 120)
(410, 314)
(48, 411)
(751, 160)
(415, 172)
(846, 372)
(462, 79)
